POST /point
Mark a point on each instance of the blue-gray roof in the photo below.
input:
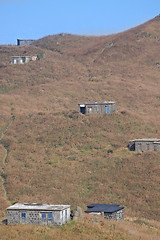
(108, 208)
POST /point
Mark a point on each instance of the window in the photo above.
(50, 216)
(155, 148)
(43, 216)
(47, 216)
(23, 215)
(66, 214)
(147, 146)
(140, 146)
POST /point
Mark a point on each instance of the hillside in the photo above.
(50, 153)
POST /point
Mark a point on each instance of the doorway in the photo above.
(82, 110)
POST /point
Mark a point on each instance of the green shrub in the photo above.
(109, 151)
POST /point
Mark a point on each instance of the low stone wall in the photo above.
(119, 215)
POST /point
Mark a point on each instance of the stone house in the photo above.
(144, 144)
(97, 107)
(108, 211)
(22, 59)
(38, 214)
(23, 42)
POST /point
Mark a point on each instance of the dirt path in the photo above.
(2, 178)
(4, 161)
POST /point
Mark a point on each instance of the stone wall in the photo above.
(22, 42)
(35, 217)
(98, 108)
(144, 146)
(157, 146)
(22, 59)
(13, 217)
(65, 216)
(119, 215)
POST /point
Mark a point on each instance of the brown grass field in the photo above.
(49, 153)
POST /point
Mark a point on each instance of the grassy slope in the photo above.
(86, 229)
(57, 155)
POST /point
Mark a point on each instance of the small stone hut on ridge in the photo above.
(97, 107)
(108, 211)
(144, 144)
(38, 214)
(23, 42)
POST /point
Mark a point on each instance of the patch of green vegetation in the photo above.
(53, 161)
(148, 34)
(3, 175)
(40, 56)
(23, 59)
(109, 151)
(71, 158)
(31, 159)
(5, 89)
(71, 223)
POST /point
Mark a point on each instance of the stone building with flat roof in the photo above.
(22, 59)
(23, 42)
(108, 211)
(144, 144)
(38, 214)
(97, 107)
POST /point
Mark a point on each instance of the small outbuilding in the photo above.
(144, 144)
(97, 107)
(108, 211)
(23, 42)
(38, 214)
(22, 59)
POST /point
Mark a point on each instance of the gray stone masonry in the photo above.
(141, 145)
(119, 215)
(97, 107)
(23, 42)
(22, 59)
(38, 215)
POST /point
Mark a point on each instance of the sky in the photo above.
(34, 19)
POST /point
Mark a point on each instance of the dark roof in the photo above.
(108, 208)
(25, 39)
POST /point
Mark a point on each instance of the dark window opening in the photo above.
(23, 215)
(83, 110)
(131, 146)
(107, 110)
(147, 146)
(65, 214)
(50, 216)
(155, 148)
(43, 215)
(140, 146)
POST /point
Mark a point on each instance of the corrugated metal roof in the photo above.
(37, 206)
(108, 208)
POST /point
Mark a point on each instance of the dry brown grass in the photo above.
(54, 154)
(89, 228)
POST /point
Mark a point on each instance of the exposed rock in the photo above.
(77, 214)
